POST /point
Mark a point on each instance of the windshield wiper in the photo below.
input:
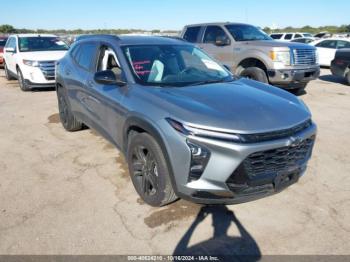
(211, 82)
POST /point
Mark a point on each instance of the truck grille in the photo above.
(279, 159)
(48, 69)
(304, 56)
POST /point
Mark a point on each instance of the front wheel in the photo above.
(22, 84)
(149, 170)
(255, 73)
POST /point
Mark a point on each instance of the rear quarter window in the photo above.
(191, 34)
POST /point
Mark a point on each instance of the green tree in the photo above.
(7, 29)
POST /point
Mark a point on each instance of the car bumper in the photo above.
(1, 61)
(39, 85)
(225, 179)
(292, 78)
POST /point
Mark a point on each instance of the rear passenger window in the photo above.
(288, 36)
(191, 34)
(327, 44)
(85, 55)
(343, 44)
(298, 36)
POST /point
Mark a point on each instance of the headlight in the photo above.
(205, 133)
(280, 56)
(31, 62)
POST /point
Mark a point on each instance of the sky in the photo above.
(169, 14)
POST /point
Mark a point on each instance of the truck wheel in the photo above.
(149, 171)
(255, 73)
(7, 73)
(68, 120)
(22, 84)
(300, 89)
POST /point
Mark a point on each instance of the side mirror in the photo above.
(222, 41)
(10, 50)
(107, 77)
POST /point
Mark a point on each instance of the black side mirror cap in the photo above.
(107, 77)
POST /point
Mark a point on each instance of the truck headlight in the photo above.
(281, 57)
(31, 63)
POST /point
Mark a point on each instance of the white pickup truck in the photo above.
(31, 58)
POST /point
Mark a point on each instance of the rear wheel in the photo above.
(254, 73)
(149, 171)
(22, 84)
(68, 120)
(7, 73)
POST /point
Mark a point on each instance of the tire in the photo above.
(149, 171)
(347, 77)
(300, 89)
(255, 73)
(68, 120)
(7, 73)
(22, 84)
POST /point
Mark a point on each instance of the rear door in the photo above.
(81, 70)
(210, 43)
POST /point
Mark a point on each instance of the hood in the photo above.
(276, 43)
(242, 106)
(43, 55)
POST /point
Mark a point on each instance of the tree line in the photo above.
(9, 29)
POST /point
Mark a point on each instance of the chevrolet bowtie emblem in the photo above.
(295, 141)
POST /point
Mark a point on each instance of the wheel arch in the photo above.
(138, 124)
(251, 62)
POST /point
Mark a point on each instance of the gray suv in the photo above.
(250, 52)
(187, 127)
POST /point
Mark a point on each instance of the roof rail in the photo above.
(93, 36)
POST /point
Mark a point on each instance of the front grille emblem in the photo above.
(295, 141)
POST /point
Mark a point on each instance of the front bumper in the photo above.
(224, 182)
(40, 85)
(1, 61)
(292, 78)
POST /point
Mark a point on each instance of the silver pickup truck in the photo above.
(251, 53)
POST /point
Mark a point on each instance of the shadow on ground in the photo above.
(220, 244)
(333, 79)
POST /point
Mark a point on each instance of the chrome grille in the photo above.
(278, 160)
(304, 56)
(48, 69)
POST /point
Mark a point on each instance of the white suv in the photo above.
(31, 59)
(289, 36)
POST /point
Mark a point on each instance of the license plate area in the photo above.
(285, 179)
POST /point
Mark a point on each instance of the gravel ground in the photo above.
(70, 193)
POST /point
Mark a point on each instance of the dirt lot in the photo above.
(69, 193)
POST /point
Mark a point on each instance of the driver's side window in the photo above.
(108, 61)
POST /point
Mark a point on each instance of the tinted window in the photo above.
(85, 55)
(212, 33)
(297, 36)
(327, 44)
(288, 36)
(191, 34)
(343, 44)
(3, 41)
(31, 44)
(276, 36)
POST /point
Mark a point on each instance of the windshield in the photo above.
(247, 33)
(32, 44)
(173, 65)
(3, 42)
